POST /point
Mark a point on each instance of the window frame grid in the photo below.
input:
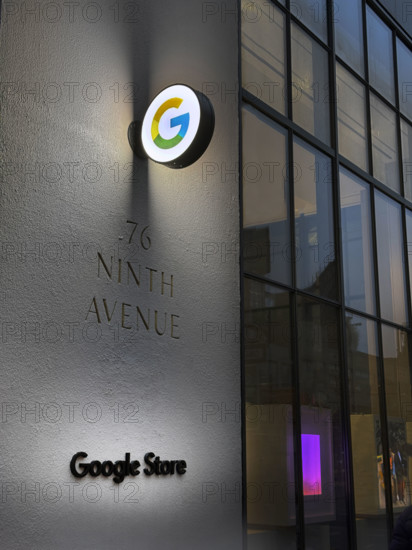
(337, 161)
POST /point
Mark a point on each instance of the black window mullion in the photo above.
(242, 291)
(365, 83)
(389, 20)
(398, 122)
(406, 265)
(337, 160)
(349, 490)
(367, 89)
(297, 428)
(288, 64)
(373, 181)
(309, 32)
(283, 120)
(381, 376)
(311, 140)
(385, 436)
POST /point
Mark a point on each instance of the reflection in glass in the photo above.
(406, 130)
(408, 215)
(326, 521)
(391, 274)
(384, 144)
(271, 514)
(380, 56)
(357, 243)
(361, 335)
(263, 52)
(315, 241)
(310, 85)
(404, 78)
(265, 198)
(349, 33)
(311, 464)
(398, 400)
(351, 118)
(313, 15)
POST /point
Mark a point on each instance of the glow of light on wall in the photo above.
(311, 467)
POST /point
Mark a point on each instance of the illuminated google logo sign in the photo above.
(177, 126)
(181, 121)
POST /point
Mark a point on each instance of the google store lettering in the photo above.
(122, 468)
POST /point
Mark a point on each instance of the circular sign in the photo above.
(177, 126)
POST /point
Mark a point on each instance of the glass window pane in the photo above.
(406, 130)
(351, 118)
(269, 420)
(384, 144)
(310, 85)
(263, 52)
(392, 287)
(265, 198)
(404, 78)
(358, 265)
(370, 504)
(398, 402)
(380, 56)
(349, 33)
(313, 15)
(315, 242)
(324, 477)
(409, 243)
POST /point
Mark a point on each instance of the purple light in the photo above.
(312, 477)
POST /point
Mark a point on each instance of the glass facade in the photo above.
(352, 120)
(327, 227)
(310, 85)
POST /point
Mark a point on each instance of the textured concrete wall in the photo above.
(73, 77)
